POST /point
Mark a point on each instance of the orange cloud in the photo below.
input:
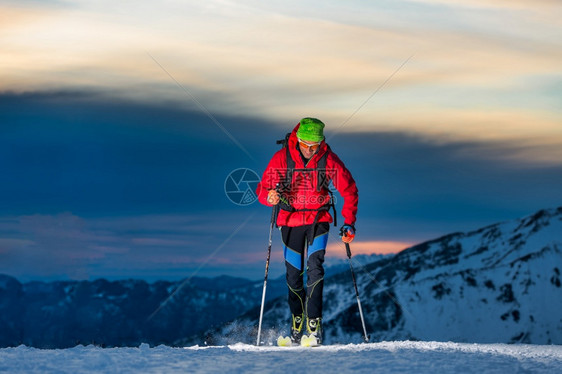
(367, 248)
(481, 81)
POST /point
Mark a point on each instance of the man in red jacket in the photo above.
(297, 179)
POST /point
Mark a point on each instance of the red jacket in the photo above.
(303, 194)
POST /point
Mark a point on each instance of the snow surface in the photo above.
(384, 357)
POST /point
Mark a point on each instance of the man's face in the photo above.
(308, 149)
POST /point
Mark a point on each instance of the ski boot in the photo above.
(314, 328)
(296, 329)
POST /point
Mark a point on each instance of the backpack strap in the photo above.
(285, 184)
(291, 165)
(322, 182)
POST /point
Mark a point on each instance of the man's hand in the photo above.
(347, 233)
(273, 197)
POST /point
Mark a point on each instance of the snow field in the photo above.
(384, 357)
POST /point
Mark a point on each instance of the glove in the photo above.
(273, 197)
(276, 198)
(347, 233)
(285, 203)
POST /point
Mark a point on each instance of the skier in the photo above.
(296, 179)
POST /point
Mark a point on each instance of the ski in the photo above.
(309, 341)
(306, 341)
(284, 341)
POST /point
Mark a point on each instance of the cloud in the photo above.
(465, 135)
(9, 245)
(413, 188)
(368, 247)
(537, 5)
(47, 245)
(469, 72)
(68, 246)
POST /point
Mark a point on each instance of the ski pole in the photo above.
(273, 214)
(365, 336)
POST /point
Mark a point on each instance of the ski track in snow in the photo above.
(384, 357)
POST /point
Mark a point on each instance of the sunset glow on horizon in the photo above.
(368, 248)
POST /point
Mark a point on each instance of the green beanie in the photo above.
(311, 130)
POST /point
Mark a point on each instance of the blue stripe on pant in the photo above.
(294, 258)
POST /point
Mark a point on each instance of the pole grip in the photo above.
(348, 250)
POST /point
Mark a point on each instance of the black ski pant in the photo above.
(305, 301)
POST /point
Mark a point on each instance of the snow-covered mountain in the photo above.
(501, 283)
(120, 313)
(125, 313)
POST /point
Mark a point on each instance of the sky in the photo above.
(120, 123)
